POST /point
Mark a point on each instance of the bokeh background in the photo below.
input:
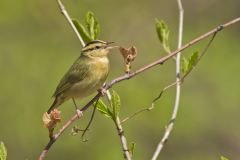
(37, 46)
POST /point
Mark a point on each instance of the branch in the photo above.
(120, 131)
(65, 126)
(178, 86)
(55, 136)
(65, 13)
(181, 80)
(123, 139)
(172, 54)
(138, 112)
(129, 76)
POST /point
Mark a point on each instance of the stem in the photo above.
(123, 139)
(178, 86)
(120, 131)
(66, 15)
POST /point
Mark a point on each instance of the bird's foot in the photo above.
(79, 113)
(102, 91)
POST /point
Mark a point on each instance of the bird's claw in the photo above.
(102, 91)
(79, 113)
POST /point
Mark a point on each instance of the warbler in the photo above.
(86, 75)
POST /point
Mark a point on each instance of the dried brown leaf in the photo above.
(129, 54)
(50, 120)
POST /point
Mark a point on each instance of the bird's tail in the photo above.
(54, 105)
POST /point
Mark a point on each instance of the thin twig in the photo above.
(129, 76)
(65, 13)
(200, 57)
(136, 113)
(120, 131)
(152, 104)
(178, 85)
(89, 123)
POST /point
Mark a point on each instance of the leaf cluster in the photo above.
(188, 63)
(114, 109)
(90, 31)
(163, 34)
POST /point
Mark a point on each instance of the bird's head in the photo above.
(97, 48)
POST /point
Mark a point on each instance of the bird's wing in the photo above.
(75, 74)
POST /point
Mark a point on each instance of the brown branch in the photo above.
(165, 58)
(133, 74)
(65, 126)
(181, 80)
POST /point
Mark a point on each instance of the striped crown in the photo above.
(94, 45)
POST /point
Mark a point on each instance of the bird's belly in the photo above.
(81, 90)
(92, 82)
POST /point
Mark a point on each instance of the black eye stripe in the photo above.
(90, 49)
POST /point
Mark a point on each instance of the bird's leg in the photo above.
(77, 110)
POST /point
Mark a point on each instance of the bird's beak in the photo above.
(110, 43)
(111, 47)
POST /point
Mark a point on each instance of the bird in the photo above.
(86, 75)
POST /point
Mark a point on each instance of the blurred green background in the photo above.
(37, 46)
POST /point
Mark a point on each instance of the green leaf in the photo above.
(188, 64)
(102, 108)
(115, 103)
(184, 65)
(92, 29)
(3, 151)
(82, 31)
(92, 25)
(132, 148)
(223, 158)
(193, 59)
(163, 34)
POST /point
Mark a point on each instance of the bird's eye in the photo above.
(97, 47)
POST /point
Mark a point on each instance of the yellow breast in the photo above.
(100, 67)
(96, 76)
